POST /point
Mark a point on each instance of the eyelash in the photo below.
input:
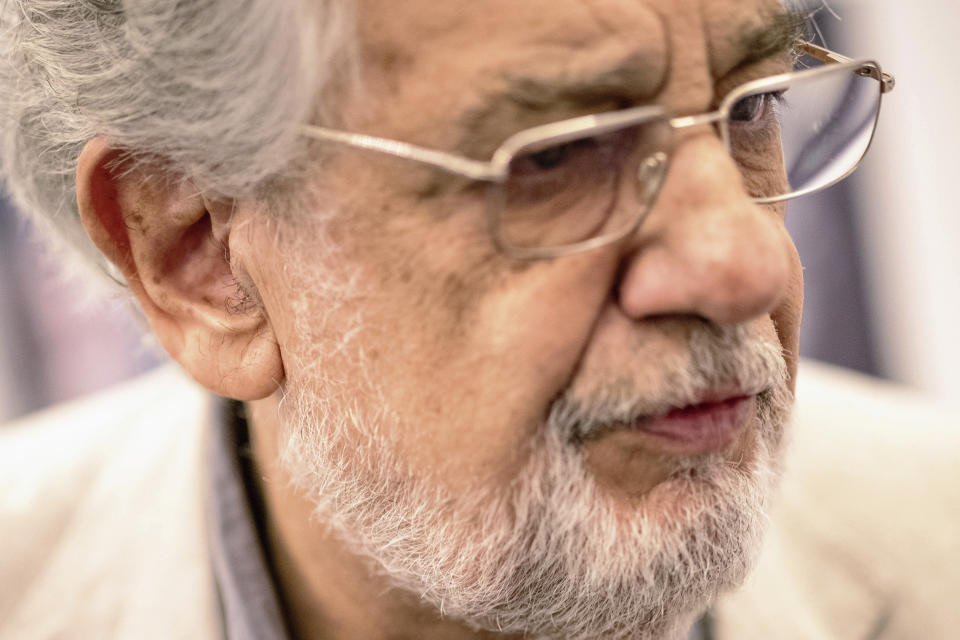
(773, 103)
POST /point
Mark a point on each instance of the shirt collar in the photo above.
(249, 604)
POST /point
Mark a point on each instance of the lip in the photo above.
(698, 429)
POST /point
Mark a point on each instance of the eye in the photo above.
(753, 107)
(555, 157)
(550, 158)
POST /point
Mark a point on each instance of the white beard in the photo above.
(551, 555)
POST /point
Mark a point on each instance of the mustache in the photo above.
(729, 360)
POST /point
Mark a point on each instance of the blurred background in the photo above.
(880, 250)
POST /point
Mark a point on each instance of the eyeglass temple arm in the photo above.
(473, 169)
(887, 81)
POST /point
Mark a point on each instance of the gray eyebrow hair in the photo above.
(782, 33)
(634, 77)
(630, 80)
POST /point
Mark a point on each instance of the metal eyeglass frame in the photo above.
(496, 170)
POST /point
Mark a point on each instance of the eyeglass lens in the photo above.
(798, 138)
(807, 135)
(591, 187)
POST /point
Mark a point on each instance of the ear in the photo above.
(173, 247)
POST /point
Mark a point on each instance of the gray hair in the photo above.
(213, 89)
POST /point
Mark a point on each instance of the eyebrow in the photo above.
(782, 33)
(633, 77)
(636, 77)
(630, 80)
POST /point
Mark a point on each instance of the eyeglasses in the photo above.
(582, 183)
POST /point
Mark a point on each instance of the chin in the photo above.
(557, 551)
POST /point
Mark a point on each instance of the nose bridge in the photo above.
(717, 118)
(682, 122)
(706, 249)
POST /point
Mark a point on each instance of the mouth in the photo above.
(707, 427)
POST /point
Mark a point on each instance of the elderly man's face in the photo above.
(434, 371)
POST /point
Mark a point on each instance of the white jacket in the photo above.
(102, 520)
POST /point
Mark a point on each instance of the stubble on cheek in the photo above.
(466, 346)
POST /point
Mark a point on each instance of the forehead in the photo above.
(443, 55)
(422, 24)
(487, 32)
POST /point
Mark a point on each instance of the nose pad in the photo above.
(711, 251)
(651, 174)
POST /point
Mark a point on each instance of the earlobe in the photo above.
(173, 248)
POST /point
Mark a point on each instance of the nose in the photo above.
(706, 249)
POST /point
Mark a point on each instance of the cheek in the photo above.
(478, 357)
(760, 159)
(417, 317)
(787, 316)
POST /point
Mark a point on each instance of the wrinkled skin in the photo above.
(468, 346)
(471, 346)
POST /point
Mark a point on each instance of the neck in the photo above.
(329, 593)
